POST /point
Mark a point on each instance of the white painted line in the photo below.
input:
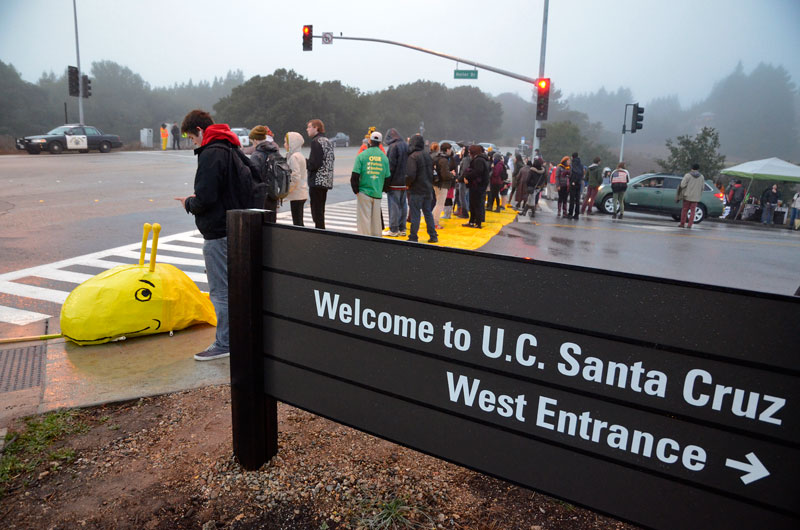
(20, 317)
(33, 291)
(163, 258)
(63, 276)
(175, 248)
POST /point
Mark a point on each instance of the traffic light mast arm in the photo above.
(445, 55)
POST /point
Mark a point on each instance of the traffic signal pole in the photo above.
(78, 54)
(542, 50)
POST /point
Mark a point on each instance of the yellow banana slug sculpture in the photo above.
(134, 300)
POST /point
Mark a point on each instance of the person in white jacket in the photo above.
(298, 187)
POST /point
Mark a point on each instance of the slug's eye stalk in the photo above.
(144, 294)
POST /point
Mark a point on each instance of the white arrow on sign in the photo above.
(755, 469)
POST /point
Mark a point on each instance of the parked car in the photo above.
(340, 140)
(244, 135)
(72, 137)
(655, 193)
(487, 146)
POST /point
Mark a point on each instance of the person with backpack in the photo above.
(442, 178)
(735, 198)
(264, 157)
(496, 182)
(298, 185)
(536, 181)
(220, 184)
(575, 184)
(619, 185)
(562, 182)
(320, 170)
(370, 170)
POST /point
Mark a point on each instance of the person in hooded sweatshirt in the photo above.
(476, 177)
(298, 187)
(264, 143)
(214, 194)
(691, 191)
(419, 180)
(594, 182)
(395, 185)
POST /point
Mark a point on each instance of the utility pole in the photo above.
(543, 49)
(78, 54)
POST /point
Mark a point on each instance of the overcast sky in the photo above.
(653, 47)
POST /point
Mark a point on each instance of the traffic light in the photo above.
(637, 117)
(72, 76)
(543, 97)
(308, 34)
(86, 84)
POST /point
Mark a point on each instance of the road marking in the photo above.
(340, 217)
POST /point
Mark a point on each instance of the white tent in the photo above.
(773, 169)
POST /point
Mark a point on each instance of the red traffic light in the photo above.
(306, 29)
(543, 84)
(308, 34)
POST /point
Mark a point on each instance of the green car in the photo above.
(655, 193)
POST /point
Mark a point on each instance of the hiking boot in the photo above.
(211, 353)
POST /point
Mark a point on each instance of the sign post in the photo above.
(650, 413)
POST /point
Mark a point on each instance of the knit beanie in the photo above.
(260, 132)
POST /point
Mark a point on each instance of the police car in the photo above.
(72, 137)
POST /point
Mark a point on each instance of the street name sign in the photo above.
(465, 74)
(640, 399)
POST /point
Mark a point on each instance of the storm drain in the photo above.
(21, 368)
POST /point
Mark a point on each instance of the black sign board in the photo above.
(665, 403)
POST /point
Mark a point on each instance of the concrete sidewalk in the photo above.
(59, 374)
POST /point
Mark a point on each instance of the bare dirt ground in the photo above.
(166, 462)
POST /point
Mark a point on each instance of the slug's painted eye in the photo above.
(144, 294)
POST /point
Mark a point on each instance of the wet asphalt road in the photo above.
(54, 207)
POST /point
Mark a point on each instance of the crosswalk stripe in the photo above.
(20, 317)
(63, 276)
(33, 291)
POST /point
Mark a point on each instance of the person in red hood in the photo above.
(215, 192)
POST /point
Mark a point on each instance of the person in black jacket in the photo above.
(477, 178)
(320, 170)
(395, 185)
(215, 192)
(419, 180)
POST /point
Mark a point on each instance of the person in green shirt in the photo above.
(369, 171)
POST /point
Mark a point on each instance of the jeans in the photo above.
(462, 197)
(417, 203)
(766, 215)
(398, 210)
(795, 214)
(215, 254)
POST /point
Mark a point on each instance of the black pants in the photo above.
(574, 199)
(272, 206)
(494, 196)
(476, 198)
(176, 143)
(317, 195)
(297, 212)
(734, 210)
(562, 199)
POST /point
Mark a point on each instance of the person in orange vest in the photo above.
(164, 136)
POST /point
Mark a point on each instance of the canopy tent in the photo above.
(773, 169)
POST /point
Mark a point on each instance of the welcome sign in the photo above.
(621, 399)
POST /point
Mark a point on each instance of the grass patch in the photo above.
(30, 447)
(392, 514)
